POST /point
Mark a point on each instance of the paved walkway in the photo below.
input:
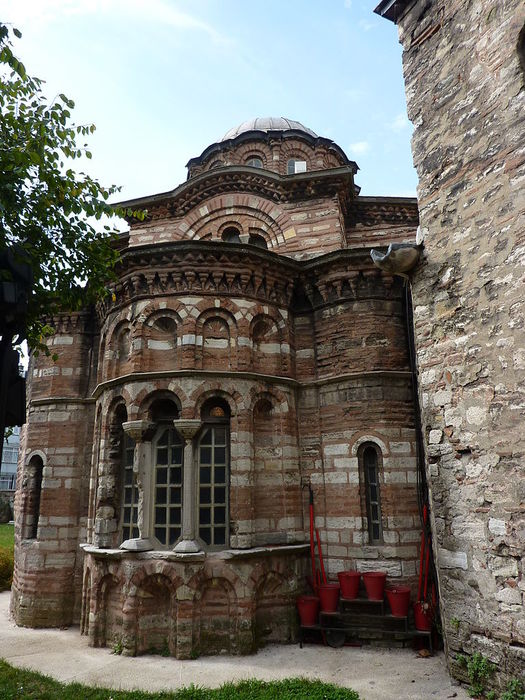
(376, 674)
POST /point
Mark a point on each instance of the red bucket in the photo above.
(399, 600)
(375, 584)
(349, 582)
(329, 596)
(422, 616)
(308, 607)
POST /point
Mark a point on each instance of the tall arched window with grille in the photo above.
(370, 462)
(168, 465)
(130, 497)
(35, 472)
(167, 477)
(214, 474)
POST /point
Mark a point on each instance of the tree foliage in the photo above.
(57, 215)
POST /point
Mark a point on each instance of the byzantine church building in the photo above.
(249, 348)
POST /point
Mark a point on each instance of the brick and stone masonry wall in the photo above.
(466, 98)
(61, 428)
(209, 605)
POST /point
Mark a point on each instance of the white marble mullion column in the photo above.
(187, 430)
(141, 431)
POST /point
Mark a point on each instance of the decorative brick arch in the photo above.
(146, 398)
(233, 398)
(247, 211)
(154, 568)
(274, 609)
(376, 438)
(216, 613)
(266, 336)
(298, 151)
(216, 352)
(155, 615)
(119, 351)
(275, 396)
(108, 610)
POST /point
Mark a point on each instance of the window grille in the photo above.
(130, 496)
(168, 487)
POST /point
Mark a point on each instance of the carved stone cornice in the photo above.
(73, 322)
(375, 211)
(220, 269)
(242, 180)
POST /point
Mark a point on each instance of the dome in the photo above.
(267, 124)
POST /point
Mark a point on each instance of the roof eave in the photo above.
(256, 134)
(392, 9)
(143, 202)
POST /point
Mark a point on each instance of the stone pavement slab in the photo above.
(376, 674)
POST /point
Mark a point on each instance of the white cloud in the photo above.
(359, 148)
(160, 12)
(400, 122)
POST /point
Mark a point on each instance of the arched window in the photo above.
(216, 164)
(167, 477)
(257, 240)
(130, 496)
(167, 465)
(231, 235)
(36, 471)
(213, 474)
(295, 166)
(369, 459)
(254, 162)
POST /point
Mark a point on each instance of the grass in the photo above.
(7, 536)
(22, 685)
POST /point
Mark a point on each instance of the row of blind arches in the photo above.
(160, 332)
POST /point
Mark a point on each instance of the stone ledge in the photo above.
(170, 555)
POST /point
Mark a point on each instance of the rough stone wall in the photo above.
(465, 94)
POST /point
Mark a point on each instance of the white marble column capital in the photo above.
(187, 427)
(138, 430)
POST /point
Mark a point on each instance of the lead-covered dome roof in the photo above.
(267, 124)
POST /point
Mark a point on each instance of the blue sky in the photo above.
(162, 79)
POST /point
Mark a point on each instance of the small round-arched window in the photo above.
(257, 240)
(231, 235)
(295, 165)
(254, 162)
(369, 458)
